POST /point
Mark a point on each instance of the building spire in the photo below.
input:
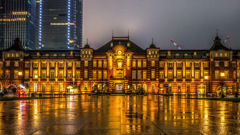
(217, 33)
(152, 40)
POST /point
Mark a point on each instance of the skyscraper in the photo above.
(17, 20)
(59, 24)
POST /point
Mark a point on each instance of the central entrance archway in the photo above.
(12, 89)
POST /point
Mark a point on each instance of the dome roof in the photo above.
(152, 46)
(87, 46)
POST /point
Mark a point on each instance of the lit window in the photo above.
(12, 54)
(134, 63)
(226, 74)
(60, 74)
(179, 65)
(26, 75)
(16, 54)
(35, 74)
(94, 63)
(153, 63)
(52, 64)
(205, 73)
(43, 73)
(69, 74)
(152, 74)
(139, 74)
(170, 74)
(179, 75)
(8, 64)
(99, 74)
(105, 63)
(226, 64)
(194, 53)
(69, 64)
(119, 64)
(197, 64)
(85, 74)
(188, 64)
(216, 63)
(144, 74)
(197, 74)
(161, 74)
(15, 74)
(216, 54)
(205, 64)
(170, 64)
(144, 63)
(221, 54)
(94, 74)
(105, 74)
(134, 74)
(161, 64)
(217, 74)
(78, 64)
(7, 74)
(139, 63)
(16, 64)
(99, 63)
(86, 63)
(61, 64)
(52, 74)
(188, 74)
(78, 74)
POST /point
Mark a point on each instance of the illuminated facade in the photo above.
(59, 24)
(17, 19)
(122, 64)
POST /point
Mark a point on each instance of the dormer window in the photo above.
(8, 64)
(82, 52)
(177, 54)
(8, 55)
(221, 54)
(16, 54)
(16, 64)
(195, 53)
(225, 54)
(216, 55)
(185, 54)
(149, 52)
(12, 54)
(169, 53)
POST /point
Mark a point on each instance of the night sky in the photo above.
(191, 23)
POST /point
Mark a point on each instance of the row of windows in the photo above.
(100, 63)
(98, 74)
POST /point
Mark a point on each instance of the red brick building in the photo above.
(121, 64)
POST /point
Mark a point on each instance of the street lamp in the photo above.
(206, 78)
(222, 76)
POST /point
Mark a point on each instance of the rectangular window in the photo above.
(197, 64)
(188, 74)
(139, 74)
(170, 74)
(15, 74)
(134, 63)
(60, 74)
(179, 65)
(226, 64)
(206, 73)
(161, 74)
(153, 63)
(233, 64)
(99, 63)
(139, 63)
(16, 64)
(144, 63)
(206, 64)
(152, 74)
(26, 74)
(52, 64)
(35, 64)
(44, 65)
(144, 74)
(99, 74)
(197, 74)
(7, 74)
(134, 74)
(226, 74)
(179, 74)
(52, 74)
(43, 73)
(94, 63)
(105, 63)
(69, 74)
(61, 64)
(86, 63)
(188, 64)
(69, 64)
(78, 74)
(161, 64)
(78, 64)
(105, 74)
(85, 74)
(170, 64)
(216, 63)
(35, 74)
(7, 63)
(217, 73)
(94, 74)
(27, 64)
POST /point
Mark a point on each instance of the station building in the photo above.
(121, 65)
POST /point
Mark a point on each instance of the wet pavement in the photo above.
(115, 115)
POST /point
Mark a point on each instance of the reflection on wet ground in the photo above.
(113, 115)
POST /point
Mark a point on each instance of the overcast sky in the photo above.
(191, 23)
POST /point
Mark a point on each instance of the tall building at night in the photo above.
(17, 20)
(59, 24)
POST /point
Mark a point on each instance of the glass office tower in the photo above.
(17, 21)
(59, 24)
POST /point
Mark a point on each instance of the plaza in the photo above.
(119, 114)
